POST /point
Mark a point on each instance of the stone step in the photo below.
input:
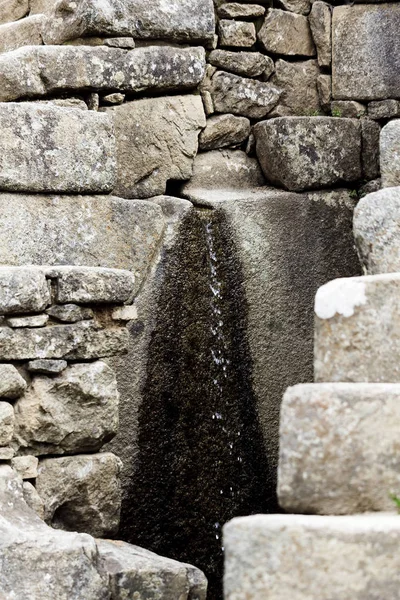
(357, 330)
(339, 448)
(298, 557)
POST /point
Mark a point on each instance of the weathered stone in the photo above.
(38, 562)
(370, 187)
(236, 33)
(41, 7)
(12, 385)
(340, 424)
(55, 149)
(26, 466)
(377, 231)
(301, 153)
(390, 154)
(297, 6)
(324, 87)
(361, 66)
(38, 71)
(242, 96)
(47, 366)
(298, 80)
(286, 33)
(80, 341)
(76, 411)
(29, 321)
(6, 423)
(133, 570)
(25, 32)
(66, 103)
(224, 130)
(81, 493)
(93, 101)
(313, 557)
(234, 10)
(208, 104)
(6, 453)
(248, 64)
(125, 313)
(112, 99)
(33, 499)
(370, 134)
(22, 290)
(384, 109)
(12, 10)
(157, 141)
(127, 43)
(92, 285)
(320, 20)
(70, 313)
(357, 330)
(348, 109)
(181, 21)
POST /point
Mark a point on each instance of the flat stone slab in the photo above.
(23, 290)
(353, 428)
(25, 32)
(366, 52)
(53, 149)
(357, 330)
(300, 557)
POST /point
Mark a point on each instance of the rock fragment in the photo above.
(12, 385)
(224, 130)
(286, 33)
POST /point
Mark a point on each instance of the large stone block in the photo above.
(50, 149)
(157, 140)
(180, 21)
(321, 28)
(247, 64)
(377, 231)
(357, 329)
(12, 10)
(390, 154)
(366, 52)
(224, 130)
(25, 32)
(286, 33)
(81, 493)
(338, 448)
(298, 82)
(23, 290)
(301, 557)
(301, 153)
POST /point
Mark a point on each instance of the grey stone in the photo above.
(133, 570)
(261, 560)
(70, 313)
(324, 87)
(6, 423)
(181, 21)
(236, 33)
(348, 109)
(286, 33)
(93, 101)
(47, 366)
(125, 313)
(25, 32)
(298, 81)
(241, 96)
(320, 20)
(247, 64)
(390, 154)
(6, 453)
(28, 321)
(340, 424)
(127, 43)
(234, 10)
(26, 466)
(357, 330)
(52, 149)
(32, 499)
(112, 99)
(370, 187)
(81, 493)
(362, 37)
(370, 134)
(12, 10)
(92, 285)
(301, 153)
(66, 103)
(377, 231)
(384, 109)
(208, 104)
(22, 290)
(12, 385)
(41, 7)
(38, 71)
(75, 411)
(224, 130)
(157, 141)
(38, 562)
(297, 6)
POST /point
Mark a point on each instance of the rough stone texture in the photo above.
(12, 10)
(286, 33)
(74, 500)
(297, 6)
(30, 321)
(22, 290)
(112, 99)
(26, 466)
(32, 499)
(12, 385)
(236, 33)
(76, 411)
(92, 285)
(157, 141)
(6, 453)
(298, 81)
(348, 109)
(384, 109)
(320, 20)
(120, 42)
(366, 52)
(357, 330)
(38, 71)
(313, 557)
(390, 154)
(235, 10)
(370, 134)
(184, 20)
(6, 423)
(43, 230)
(339, 424)
(248, 64)
(242, 96)
(125, 313)
(25, 32)
(324, 86)
(133, 570)
(52, 149)
(369, 187)
(377, 231)
(71, 313)
(47, 366)
(38, 562)
(224, 130)
(301, 153)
